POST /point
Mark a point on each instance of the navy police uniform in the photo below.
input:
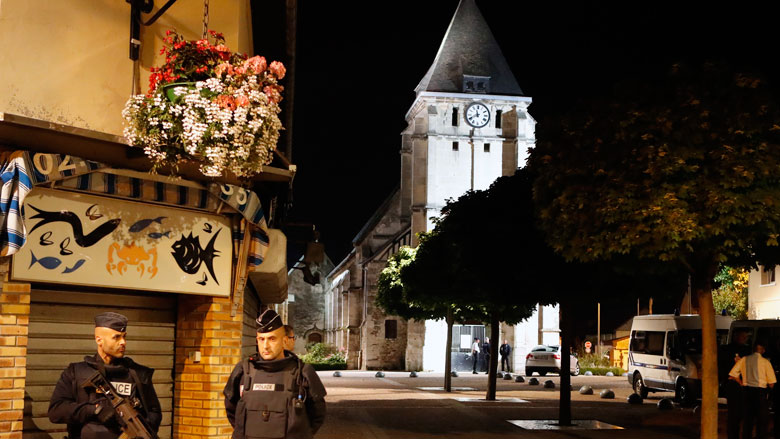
(281, 398)
(76, 406)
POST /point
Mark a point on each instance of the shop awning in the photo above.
(24, 170)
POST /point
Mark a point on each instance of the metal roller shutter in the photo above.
(62, 331)
(249, 328)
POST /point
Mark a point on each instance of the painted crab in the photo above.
(134, 255)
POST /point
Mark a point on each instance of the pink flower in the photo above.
(242, 101)
(224, 67)
(273, 92)
(240, 70)
(256, 64)
(277, 69)
(225, 101)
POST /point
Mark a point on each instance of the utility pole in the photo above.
(598, 330)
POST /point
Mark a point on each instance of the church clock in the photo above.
(477, 115)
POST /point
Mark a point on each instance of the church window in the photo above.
(476, 84)
(767, 275)
(454, 146)
(391, 328)
(455, 116)
(498, 118)
(486, 147)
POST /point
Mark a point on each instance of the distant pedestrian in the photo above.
(505, 350)
(289, 338)
(474, 355)
(486, 354)
(755, 374)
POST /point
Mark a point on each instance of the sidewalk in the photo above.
(363, 406)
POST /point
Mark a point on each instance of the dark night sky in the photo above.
(358, 64)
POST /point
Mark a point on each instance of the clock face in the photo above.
(477, 115)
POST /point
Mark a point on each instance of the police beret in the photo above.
(269, 321)
(111, 320)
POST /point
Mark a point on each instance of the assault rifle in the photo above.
(133, 426)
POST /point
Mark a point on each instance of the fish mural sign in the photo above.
(83, 239)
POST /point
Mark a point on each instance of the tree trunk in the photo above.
(709, 362)
(564, 407)
(491, 390)
(448, 353)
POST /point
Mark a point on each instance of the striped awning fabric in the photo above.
(24, 169)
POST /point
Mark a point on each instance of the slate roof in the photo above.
(469, 48)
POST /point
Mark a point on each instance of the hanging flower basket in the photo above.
(210, 105)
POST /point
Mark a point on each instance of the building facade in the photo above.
(86, 229)
(468, 125)
(763, 294)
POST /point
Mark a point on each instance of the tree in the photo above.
(681, 170)
(731, 294)
(412, 302)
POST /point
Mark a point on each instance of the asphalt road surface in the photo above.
(397, 406)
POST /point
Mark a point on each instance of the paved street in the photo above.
(363, 406)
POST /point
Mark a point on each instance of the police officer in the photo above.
(505, 350)
(755, 373)
(90, 415)
(272, 393)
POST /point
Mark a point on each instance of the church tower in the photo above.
(468, 125)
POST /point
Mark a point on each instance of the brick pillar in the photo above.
(14, 320)
(204, 325)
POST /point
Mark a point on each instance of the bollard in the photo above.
(507, 376)
(413, 374)
(634, 399)
(607, 394)
(549, 384)
(336, 374)
(586, 390)
(519, 379)
(380, 374)
(665, 404)
(533, 382)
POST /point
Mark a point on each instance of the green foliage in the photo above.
(324, 357)
(617, 371)
(731, 293)
(680, 170)
(395, 299)
(593, 360)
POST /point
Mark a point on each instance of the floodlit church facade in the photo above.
(468, 125)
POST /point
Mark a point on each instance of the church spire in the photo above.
(469, 50)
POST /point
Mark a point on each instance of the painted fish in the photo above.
(71, 218)
(202, 282)
(91, 214)
(207, 228)
(49, 262)
(78, 265)
(158, 235)
(188, 253)
(144, 223)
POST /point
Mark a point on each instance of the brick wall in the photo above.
(14, 320)
(206, 326)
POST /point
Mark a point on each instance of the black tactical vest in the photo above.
(272, 404)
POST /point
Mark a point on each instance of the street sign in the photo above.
(588, 345)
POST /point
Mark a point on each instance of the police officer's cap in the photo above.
(111, 320)
(269, 321)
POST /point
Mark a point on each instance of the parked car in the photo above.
(665, 354)
(543, 359)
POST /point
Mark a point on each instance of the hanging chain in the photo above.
(205, 18)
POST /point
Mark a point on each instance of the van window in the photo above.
(770, 336)
(648, 342)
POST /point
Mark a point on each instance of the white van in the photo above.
(664, 354)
